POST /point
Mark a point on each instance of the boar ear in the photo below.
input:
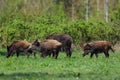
(88, 45)
(36, 43)
(36, 40)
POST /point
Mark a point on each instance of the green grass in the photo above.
(74, 68)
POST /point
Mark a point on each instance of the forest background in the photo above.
(84, 20)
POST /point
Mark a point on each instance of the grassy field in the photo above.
(74, 68)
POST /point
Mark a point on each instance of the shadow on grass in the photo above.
(36, 75)
(57, 76)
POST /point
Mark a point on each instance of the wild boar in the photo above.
(66, 41)
(20, 46)
(96, 47)
(47, 47)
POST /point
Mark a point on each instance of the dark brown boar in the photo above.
(47, 47)
(66, 41)
(19, 46)
(96, 47)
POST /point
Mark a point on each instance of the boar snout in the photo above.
(83, 54)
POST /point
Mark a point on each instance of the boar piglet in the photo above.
(96, 47)
(66, 41)
(48, 47)
(19, 46)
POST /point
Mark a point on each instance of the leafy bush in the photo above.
(40, 27)
(18, 25)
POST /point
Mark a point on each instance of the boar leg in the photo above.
(27, 54)
(34, 55)
(65, 50)
(56, 54)
(53, 53)
(17, 53)
(106, 54)
(69, 52)
(91, 55)
(96, 55)
(43, 54)
(30, 51)
(49, 55)
(12, 54)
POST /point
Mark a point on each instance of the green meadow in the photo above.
(83, 20)
(63, 68)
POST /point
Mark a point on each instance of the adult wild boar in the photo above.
(20, 46)
(47, 47)
(66, 41)
(96, 47)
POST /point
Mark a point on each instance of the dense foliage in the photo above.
(16, 23)
(40, 27)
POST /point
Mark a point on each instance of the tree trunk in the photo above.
(87, 10)
(42, 5)
(98, 6)
(73, 10)
(2, 3)
(106, 10)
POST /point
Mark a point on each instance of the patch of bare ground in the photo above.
(117, 46)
